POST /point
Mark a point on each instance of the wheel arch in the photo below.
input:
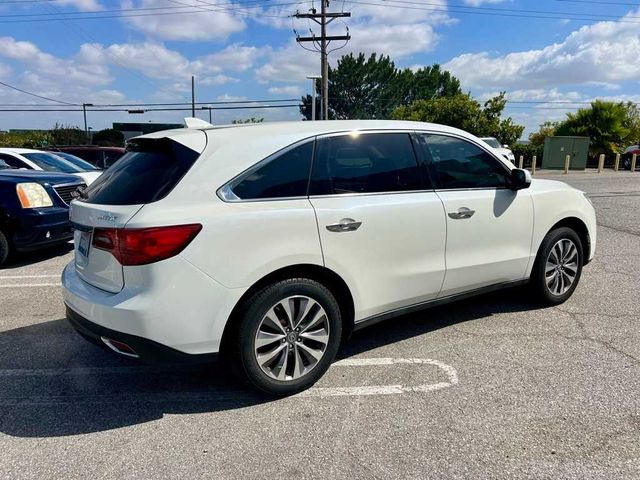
(580, 227)
(321, 274)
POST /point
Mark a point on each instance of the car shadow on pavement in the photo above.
(23, 259)
(53, 383)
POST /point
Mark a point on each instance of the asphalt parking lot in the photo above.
(492, 387)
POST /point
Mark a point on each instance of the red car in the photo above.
(628, 153)
(101, 157)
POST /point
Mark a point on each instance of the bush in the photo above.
(528, 151)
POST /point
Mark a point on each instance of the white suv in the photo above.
(271, 243)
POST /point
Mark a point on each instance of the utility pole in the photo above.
(321, 44)
(193, 96)
(313, 79)
(84, 114)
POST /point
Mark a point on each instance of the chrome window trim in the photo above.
(225, 192)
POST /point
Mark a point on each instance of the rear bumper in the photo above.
(147, 350)
(41, 227)
(169, 303)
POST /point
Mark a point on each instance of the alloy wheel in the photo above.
(561, 267)
(292, 338)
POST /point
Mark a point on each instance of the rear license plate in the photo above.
(84, 243)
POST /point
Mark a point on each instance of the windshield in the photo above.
(78, 162)
(51, 163)
(492, 142)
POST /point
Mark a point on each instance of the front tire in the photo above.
(4, 248)
(289, 333)
(558, 266)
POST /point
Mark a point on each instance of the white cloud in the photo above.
(235, 58)
(605, 52)
(216, 80)
(290, 90)
(477, 3)
(82, 5)
(202, 22)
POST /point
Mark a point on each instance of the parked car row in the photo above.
(36, 189)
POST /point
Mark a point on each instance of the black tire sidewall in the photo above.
(258, 305)
(4, 248)
(538, 276)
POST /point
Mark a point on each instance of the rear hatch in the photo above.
(148, 172)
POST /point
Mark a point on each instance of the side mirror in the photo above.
(505, 146)
(520, 179)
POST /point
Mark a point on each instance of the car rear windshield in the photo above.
(149, 170)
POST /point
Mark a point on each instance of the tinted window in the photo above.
(14, 162)
(146, 173)
(3, 164)
(51, 163)
(457, 163)
(286, 175)
(77, 161)
(366, 163)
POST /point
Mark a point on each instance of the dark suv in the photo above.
(101, 157)
(34, 209)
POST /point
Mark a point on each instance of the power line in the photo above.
(168, 109)
(36, 95)
(161, 104)
(140, 9)
(501, 13)
(238, 10)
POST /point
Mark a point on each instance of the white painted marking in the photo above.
(31, 285)
(29, 276)
(451, 373)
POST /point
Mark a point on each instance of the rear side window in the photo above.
(366, 163)
(14, 162)
(149, 170)
(285, 175)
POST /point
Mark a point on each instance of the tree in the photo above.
(108, 138)
(365, 88)
(247, 120)
(465, 113)
(547, 129)
(68, 135)
(605, 123)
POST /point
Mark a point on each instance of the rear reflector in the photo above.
(141, 246)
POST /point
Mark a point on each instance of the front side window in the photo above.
(365, 163)
(457, 163)
(14, 162)
(285, 175)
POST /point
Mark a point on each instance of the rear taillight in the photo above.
(141, 246)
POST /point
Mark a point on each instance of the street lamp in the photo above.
(84, 113)
(313, 79)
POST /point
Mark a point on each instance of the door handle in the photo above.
(462, 212)
(344, 225)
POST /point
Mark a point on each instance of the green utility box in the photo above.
(556, 150)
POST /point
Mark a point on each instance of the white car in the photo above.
(271, 243)
(46, 161)
(500, 149)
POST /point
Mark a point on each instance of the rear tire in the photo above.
(558, 266)
(288, 335)
(4, 248)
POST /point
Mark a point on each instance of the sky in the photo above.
(550, 56)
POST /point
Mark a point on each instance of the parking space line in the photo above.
(28, 276)
(450, 372)
(31, 285)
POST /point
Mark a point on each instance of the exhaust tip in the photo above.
(120, 347)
